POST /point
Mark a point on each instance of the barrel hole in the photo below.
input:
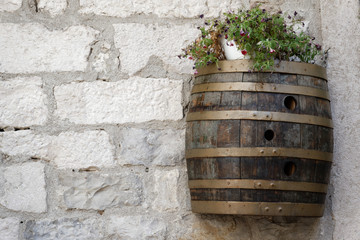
(289, 168)
(269, 135)
(290, 102)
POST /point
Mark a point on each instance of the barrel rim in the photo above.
(243, 65)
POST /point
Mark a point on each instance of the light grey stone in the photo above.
(340, 29)
(82, 149)
(166, 189)
(161, 8)
(23, 187)
(10, 5)
(136, 227)
(42, 50)
(22, 102)
(133, 100)
(101, 191)
(9, 228)
(67, 150)
(64, 229)
(151, 147)
(54, 7)
(164, 42)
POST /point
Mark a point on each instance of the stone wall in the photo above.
(92, 106)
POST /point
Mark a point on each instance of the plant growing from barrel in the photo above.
(262, 36)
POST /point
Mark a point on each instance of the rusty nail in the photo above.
(267, 209)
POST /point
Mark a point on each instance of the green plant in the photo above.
(263, 36)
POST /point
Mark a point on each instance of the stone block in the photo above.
(53, 7)
(82, 149)
(32, 48)
(22, 102)
(160, 8)
(136, 227)
(162, 41)
(151, 147)
(9, 228)
(166, 189)
(101, 191)
(133, 100)
(64, 228)
(23, 187)
(10, 5)
(67, 150)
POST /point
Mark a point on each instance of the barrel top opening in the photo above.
(283, 67)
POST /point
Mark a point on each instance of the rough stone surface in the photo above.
(161, 8)
(136, 227)
(54, 7)
(67, 150)
(41, 50)
(81, 150)
(154, 147)
(341, 33)
(9, 228)
(10, 5)
(22, 102)
(22, 187)
(165, 187)
(163, 41)
(64, 228)
(101, 191)
(25, 143)
(134, 100)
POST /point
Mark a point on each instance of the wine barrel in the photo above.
(259, 143)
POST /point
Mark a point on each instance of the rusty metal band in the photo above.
(258, 152)
(259, 184)
(284, 67)
(260, 87)
(260, 116)
(258, 208)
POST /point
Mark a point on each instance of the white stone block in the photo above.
(166, 187)
(54, 7)
(25, 143)
(64, 228)
(160, 8)
(136, 227)
(32, 48)
(67, 150)
(101, 191)
(133, 100)
(81, 150)
(22, 102)
(151, 147)
(10, 5)
(137, 42)
(9, 228)
(22, 187)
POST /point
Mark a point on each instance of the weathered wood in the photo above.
(261, 132)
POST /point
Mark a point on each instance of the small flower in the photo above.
(226, 36)
(242, 33)
(191, 58)
(205, 47)
(279, 12)
(179, 56)
(236, 19)
(248, 36)
(206, 23)
(318, 47)
(231, 44)
(243, 52)
(263, 20)
(289, 17)
(272, 50)
(263, 10)
(195, 72)
(219, 69)
(295, 13)
(201, 16)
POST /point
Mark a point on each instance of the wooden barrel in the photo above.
(259, 143)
